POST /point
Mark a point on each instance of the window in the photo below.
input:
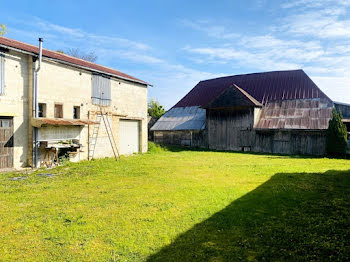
(76, 112)
(2, 74)
(58, 111)
(42, 110)
(101, 90)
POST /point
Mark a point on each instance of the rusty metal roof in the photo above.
(306, 114)
(66, 58)
(39, 122)
(264, 87)
(181, 118)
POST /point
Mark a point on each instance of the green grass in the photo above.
(177, 205)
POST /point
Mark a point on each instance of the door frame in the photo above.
(139, 131)
(11, 118)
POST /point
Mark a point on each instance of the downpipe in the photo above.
(35, 101)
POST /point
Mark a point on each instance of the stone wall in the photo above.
(14, 103)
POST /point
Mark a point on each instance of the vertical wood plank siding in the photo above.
(6, 143)
(101, 90)
(233, 130)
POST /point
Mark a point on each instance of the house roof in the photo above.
(305, 114)
(233, 96)
(264, 87)
(6, 42)
(181, 118)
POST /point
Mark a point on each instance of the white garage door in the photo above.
(129, 137)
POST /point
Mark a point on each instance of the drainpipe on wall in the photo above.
(35, 101)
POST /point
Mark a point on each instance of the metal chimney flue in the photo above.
(36, 101)
(40, 53)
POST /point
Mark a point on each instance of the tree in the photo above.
(3, 30)
(90, 56)
(336, 135)
(155, 109)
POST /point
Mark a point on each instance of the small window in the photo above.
(42, 110)
(58, 111)
(76, 112)
(2, 74)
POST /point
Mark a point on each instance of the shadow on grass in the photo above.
(293, 217)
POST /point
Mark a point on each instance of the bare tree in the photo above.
(3, 29)
(76, 52)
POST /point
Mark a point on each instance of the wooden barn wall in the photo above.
(230, 129)
(291, 142)
(181, 138)
(345, 110)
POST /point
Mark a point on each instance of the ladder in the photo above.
(93, 140)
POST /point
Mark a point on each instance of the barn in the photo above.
(272, 112)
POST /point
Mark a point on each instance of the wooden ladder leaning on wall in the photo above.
(93, 139)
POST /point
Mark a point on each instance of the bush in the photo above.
(336, 135)
(155, 148)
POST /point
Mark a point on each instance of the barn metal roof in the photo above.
(181, 118)
(306, 114)
(264, 87)
(6, 42)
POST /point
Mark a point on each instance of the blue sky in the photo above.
(175, 44)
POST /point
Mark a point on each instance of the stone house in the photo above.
(54, 105)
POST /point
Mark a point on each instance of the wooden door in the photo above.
(6, 142)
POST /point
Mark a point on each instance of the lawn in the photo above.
(178, 205)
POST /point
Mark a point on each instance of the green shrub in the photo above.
(336, 135)
(155, 148)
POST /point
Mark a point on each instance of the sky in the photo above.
(174, 44)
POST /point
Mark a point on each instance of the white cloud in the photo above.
(337, 88)
(317, 24)
(174, 82)
(260, 60)
(74, 35)
(209, 28)
(313, 3)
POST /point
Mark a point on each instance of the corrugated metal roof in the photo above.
(66, 58)
(181, 118)
(264, 87)
(306, 114)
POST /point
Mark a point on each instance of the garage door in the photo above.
(6, 143)
(129, 137)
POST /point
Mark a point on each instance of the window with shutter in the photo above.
(2, 74)
(101, 90)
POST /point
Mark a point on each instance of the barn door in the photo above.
(6, 142)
